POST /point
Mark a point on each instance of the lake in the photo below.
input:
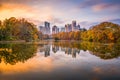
(61, 60)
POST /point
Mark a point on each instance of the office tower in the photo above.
(68, 28)
(55, 29)
(47, 27)
(73, 25)
(78, 27)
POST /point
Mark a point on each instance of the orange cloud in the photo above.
(13, 10)
(8, 10)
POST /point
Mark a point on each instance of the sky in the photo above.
(61, 12)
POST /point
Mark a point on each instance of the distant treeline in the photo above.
(104, 32)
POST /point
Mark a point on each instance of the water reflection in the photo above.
(60, 61)
(104, 51)
(14, 53)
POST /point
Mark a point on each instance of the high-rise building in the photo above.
(68, 28)
(73, 25)
(55, 29)
(77, 27)
(46, 28)
(47, 24)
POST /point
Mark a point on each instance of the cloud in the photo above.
(34, 10)
(117, 21)
(55, 20)
(24, 11)
(99, 5)
(0, 5)
(57, 12)
(14, 10)
(104, 6)
(35, 21)
(32, 2)
(88, 3)
(8, 6)
(19, 1)
(87, 24)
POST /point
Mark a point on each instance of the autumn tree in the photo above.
(18, 29)
(103, 32)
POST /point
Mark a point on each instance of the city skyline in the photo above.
(60, 12)
(47, 29)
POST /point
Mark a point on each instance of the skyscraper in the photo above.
(55, 29)
(73, 25)
(47, 27)
(47, 24)
(68, 27)
(78, 27)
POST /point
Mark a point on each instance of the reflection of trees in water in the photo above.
(13, 53)
(104, 51)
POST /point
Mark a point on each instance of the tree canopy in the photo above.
(103, 32)
(17, 29)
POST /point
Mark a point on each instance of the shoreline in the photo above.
(13, 41)
(47, 41)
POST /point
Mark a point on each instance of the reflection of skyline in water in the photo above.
(108, 51)
(14, 53)
(68, 51)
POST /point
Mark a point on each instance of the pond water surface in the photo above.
(59, 61)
